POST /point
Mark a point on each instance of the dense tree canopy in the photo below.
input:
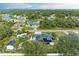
(34, 48)
(4, 31)
(59, 22)
(67, 45)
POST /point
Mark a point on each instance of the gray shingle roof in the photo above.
(41, 37)
(32, 23)
(12, 42)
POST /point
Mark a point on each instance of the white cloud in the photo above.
(39, 1)
(60, 6)
(19, 6)
(43, 6)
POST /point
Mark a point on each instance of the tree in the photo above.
(5, 31)
(10, 23)
(32, 48)
(67, 45)
(59, 23)
(1, 19)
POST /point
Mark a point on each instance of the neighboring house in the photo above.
(37, 32)
(19, 24)
(45, 38)
(20, 16)
(31, 23)
(22, 35)
(15, 18)
(6, 17)
(19, 20)
(52, 16)
(67, 17)
(73, 17)
(42, 17)
(10, 45)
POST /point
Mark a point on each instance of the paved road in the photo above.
(53, 30)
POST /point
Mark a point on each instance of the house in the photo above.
(20, 16)
(38, 32)
(19, 20)
(67, 17)
(52, 16)
(6, 17)
(32, 23)
(22, 35)
(46, 38)
(19, 24)
(10, 45)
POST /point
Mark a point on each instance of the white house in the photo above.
(51, 43)
(21, 35)
(10, 47)
(37, 32)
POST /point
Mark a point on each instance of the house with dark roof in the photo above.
(45, 38)
(10, 45)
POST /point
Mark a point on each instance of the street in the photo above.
(53, 30)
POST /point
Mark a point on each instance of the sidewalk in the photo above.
(11, 54)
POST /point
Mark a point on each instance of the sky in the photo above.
(39, 5)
